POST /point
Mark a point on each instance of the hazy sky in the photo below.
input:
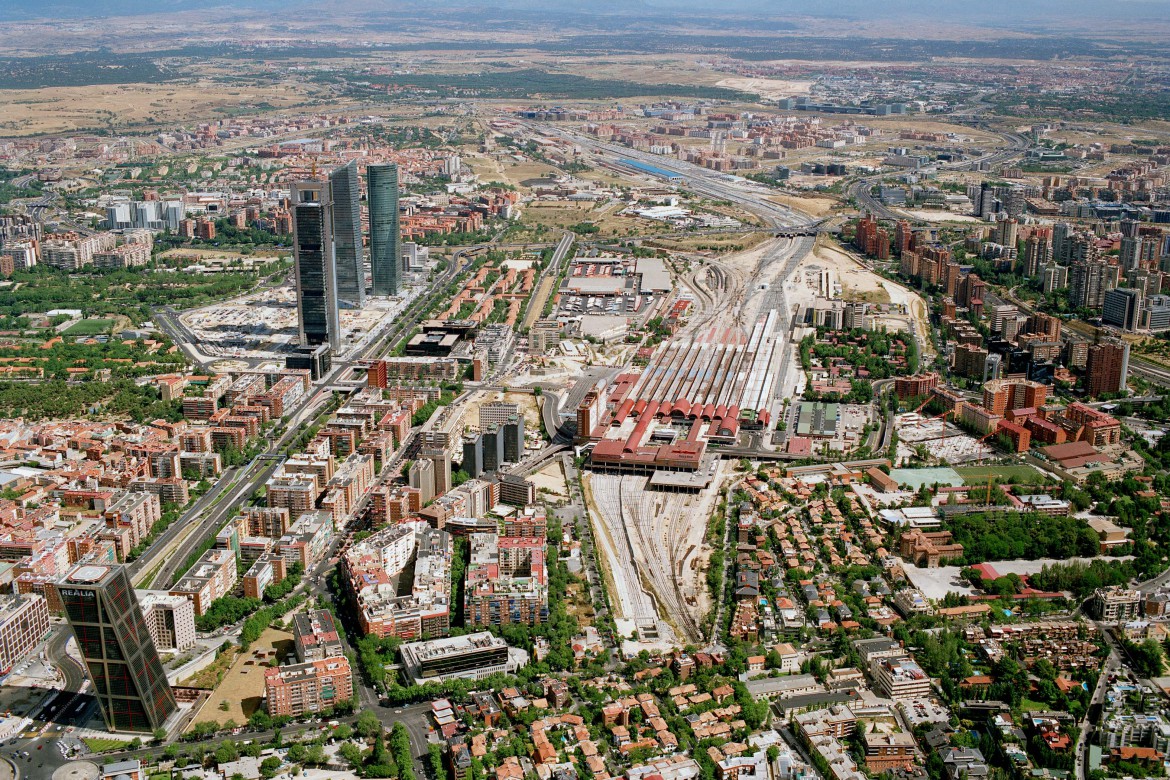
(941, 11)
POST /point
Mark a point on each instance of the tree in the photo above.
(342, 732)
(269, 767)
(368, 724)
(351, 753)
(226, 752)
(315, 756)
(297, 753)
(160, 734)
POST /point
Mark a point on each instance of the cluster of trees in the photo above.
(254, 626)
(226, 610)
(130, 291)
(531, 81)
(1002, 536)
(430, 407)
(1081, 579)
(278, 590)
(57, 398)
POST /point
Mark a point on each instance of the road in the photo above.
(861, 189)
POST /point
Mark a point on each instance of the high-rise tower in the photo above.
(128, 678)
(385, 239)
(345, 189)
(315, 265)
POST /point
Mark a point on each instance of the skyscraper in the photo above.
(385, 239)
(315, 265)
(115, 643)
(345, 190)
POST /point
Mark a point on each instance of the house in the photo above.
(964, 763)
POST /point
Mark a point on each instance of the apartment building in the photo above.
(1115, 604)
(307, 687)
(24, 622)
(170, 620)
(213, 576)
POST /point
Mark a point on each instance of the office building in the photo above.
(312, 686)
(1107, 368)
(346, 189)
(513, 434)
(1157, 313)
(493, 449)
(470, 657)
(24, 621)
(385, 238)
(497, 413)
(115, 643)
(1123, 308)
(315, 265)
(472, 463)
(900, 678)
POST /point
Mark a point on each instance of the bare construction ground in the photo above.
(653, 544)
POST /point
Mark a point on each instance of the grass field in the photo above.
(102, 745)
(89, 327)
(1020, 475)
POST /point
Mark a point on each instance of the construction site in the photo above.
(938, 438)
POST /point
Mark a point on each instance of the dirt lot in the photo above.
(814, 207)
(243, 684)
(551, 480)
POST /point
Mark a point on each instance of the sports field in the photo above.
(1015, 474)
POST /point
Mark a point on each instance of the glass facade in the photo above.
(345, 189)
(385, 235)
(127, 676)
(315, 267)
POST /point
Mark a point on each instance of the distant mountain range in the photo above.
(997, 12)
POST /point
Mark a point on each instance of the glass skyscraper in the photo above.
(315, 265)
(128, 678)
(345, 189)
(385, 238)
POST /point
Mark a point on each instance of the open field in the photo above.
(578, 603)
(859, 283)
(551, 480)
(67, 109)
(242, 687)
(1021, 475)
(557, 214)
